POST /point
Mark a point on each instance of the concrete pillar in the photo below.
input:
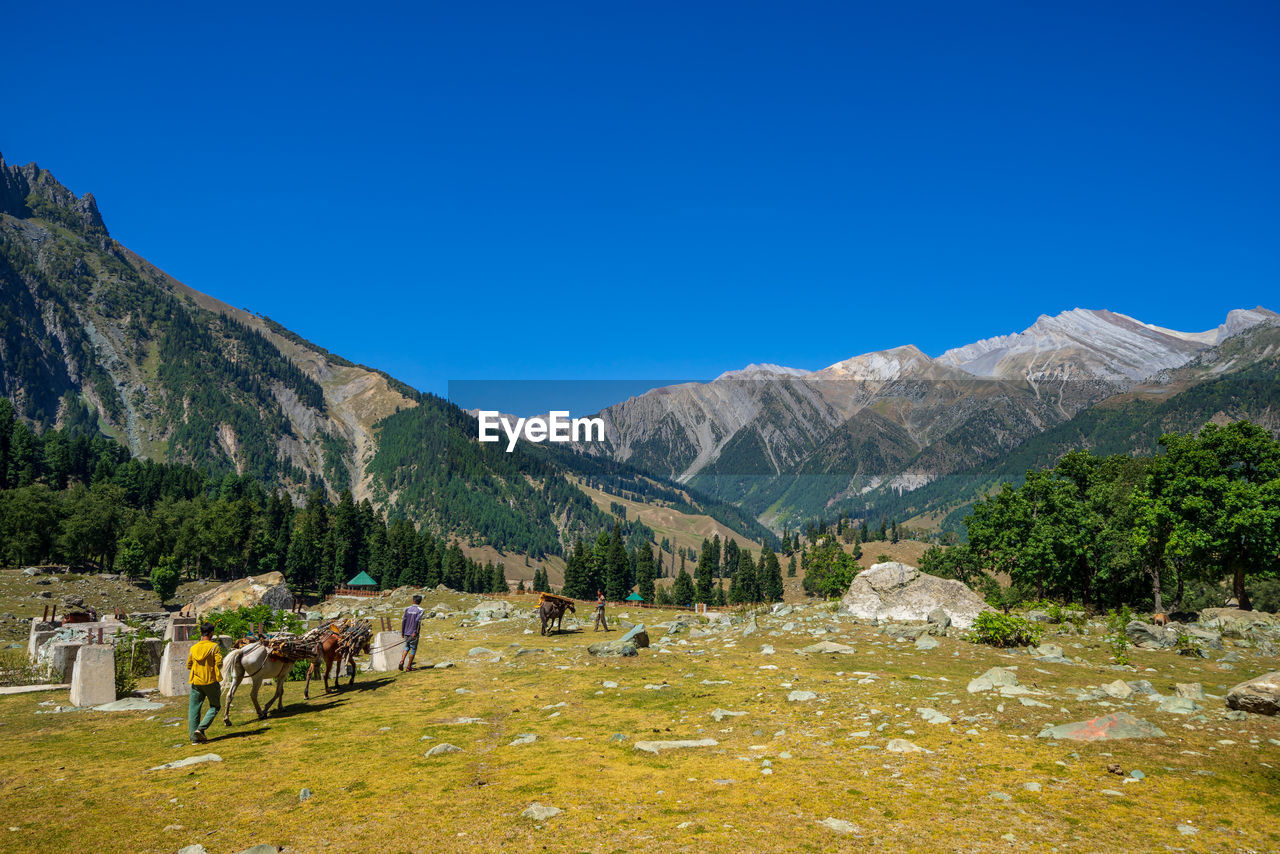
(95, 678)
(62, 660)
(174, 676)
(40, 632)
(385, 651)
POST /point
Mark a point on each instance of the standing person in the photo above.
(205, 663)
(410, 626)
(600, 621)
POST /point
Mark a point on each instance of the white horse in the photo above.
(254, 661)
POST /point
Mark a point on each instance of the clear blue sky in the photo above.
(669, 190)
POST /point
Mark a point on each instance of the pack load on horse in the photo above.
(340, 642)
(262, 657)
(551, 610)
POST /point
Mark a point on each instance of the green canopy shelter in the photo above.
(362, 580)
(635, 597)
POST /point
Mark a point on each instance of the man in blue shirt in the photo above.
(410, 625)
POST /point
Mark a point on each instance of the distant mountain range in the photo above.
(91, 334)
(786, 444)
(94, 336)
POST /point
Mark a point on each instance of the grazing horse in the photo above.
(331, 650)
(255, 661)
(1160, 619)
(551, 612)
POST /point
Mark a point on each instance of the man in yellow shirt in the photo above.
(205, 663)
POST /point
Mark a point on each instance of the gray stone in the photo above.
(1191, 690)
(442, 665)
(441, 749)
(261, 849)
(1178, 706)
(94, 681)
(1105, 728)
(538, 812)
(478, 651)
(926, 643)
(1151, 637)
(721, 714)
(904, 632)
(896, 591)
(613, 649)
(1260, 696)
(655, 747)
(129, 704)
(939, 621)
(996, 677)
(901, 745)
(523, 738)
(1236, 715)
(636, 635)
(193, 849)
(839, 825)
(801, 696)
(1118, 689)
(826, 648)
(304, 795)
(188, 762)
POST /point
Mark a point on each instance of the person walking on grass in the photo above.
(410, 626)
(205, 663)
(600, 621)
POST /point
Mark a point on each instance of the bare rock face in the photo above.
(1260, 696)
(896, 591)
(269, 588)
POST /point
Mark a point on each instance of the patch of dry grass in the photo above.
(80, 780)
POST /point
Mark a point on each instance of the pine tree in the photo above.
(748, 586)
(791, 567)
(682, 592)
(705, 570)
(576, 574)
(770, 573)
(618, 575)
(645, 574)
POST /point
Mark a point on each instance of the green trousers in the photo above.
(199, 693)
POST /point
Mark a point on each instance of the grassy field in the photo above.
(80, 780)
(683, 529)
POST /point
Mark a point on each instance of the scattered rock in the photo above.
(441, 749)
(613, 649)
(636, 635)
(896, 591)
(189, 761)
(1178, 706)
(926, 643)
(478, 650)
(304, 795)
(993, 678)
(721, 714)
(839, 825)
(1261, 696)
(1105, 728)
(129, 704)
(801, 696)
(269, 589)
(1192, 691)
(538, 812)
(1148, 636)
(1118, 689)
(901, 745)
(826, 647)
(655, 747)
(523, 738)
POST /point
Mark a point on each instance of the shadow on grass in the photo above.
(225, 736)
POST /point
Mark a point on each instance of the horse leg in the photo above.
(231, 694)
(278, 696)
(253, 694)
(306, 689)
(351, 662)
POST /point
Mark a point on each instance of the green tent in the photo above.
(635, 597)
(362, 580)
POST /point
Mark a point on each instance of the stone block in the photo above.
(37, 640)
(94, 683)
(62, 659)
(174, 676)
(385, 651)
(180, 626)
(153, 649)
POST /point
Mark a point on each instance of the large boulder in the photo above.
(1149, 636)
(896, 591)
(1260, 696)
(1105, 728)
(269, 588)
(1234, 623)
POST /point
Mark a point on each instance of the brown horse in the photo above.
(334, 649)
(551, 612)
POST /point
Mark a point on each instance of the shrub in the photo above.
(131, 663)
(246, 619)
(164, 580)
(1117, 637)
(1004, 630)
(1265, 594)
(16, 670)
